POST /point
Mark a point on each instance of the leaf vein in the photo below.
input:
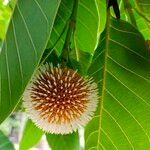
(8, 73)
(109, 138)
(102, 146)
(86, 8)
(128, 88)
(91, 135)
(124, 31)
(128, 48)
(129, 70)
(26, 27)
(96, 71)
(92, 35)
(94, 147)
(128, 112)
(119, 127)
(18, 54)
(42, 12)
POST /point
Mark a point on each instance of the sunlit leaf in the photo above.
(63, 142)
(31, 136)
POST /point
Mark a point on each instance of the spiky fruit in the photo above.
(59, 100)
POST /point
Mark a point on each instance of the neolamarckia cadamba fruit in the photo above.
(58, 100)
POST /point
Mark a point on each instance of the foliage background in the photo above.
(113, 52)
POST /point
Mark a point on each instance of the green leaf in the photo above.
(87, 25)
(84, 61)
(62, 17)
(5, 144)
(101, 6)
(63, 142)
(31, 136)
(122, 70)
(24, 44)
(143, 10)
(142, 24)
(144, 7)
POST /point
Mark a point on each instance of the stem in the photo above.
(128, 9)
(71, 29)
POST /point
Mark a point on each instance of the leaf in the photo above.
(122, 70)
(140, 20)
(84, 61)
(142, 26)
(24, 44)
(144, 7)
(60, 22)
(87, 25)
(144, 11)
(142, 15)
(101, 5)
(31, 136)
(5, 144)
(63, 142)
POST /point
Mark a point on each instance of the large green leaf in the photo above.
(63, 142)
(5, 144)
(87, 25)
(31, 136)
(26, 39)
(122, 70)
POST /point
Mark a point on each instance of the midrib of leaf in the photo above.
(104, 75)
